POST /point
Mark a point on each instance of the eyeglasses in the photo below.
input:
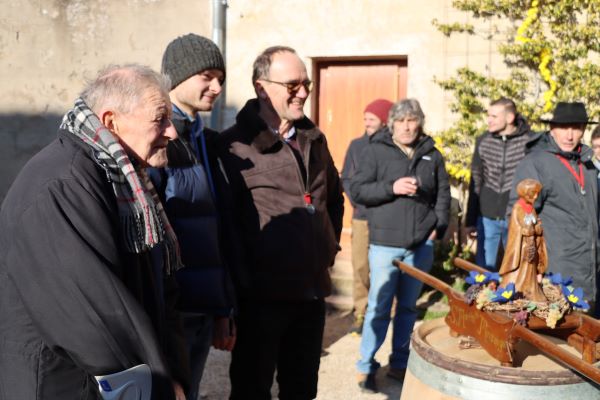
(294, 86)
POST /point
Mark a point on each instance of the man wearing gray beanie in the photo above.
(189, 188)
(191, 55)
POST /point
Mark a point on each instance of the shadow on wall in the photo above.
(227, 118)
(22, 136)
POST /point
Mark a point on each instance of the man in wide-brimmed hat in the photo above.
(568, 202)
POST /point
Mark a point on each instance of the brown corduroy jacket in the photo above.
(289, 245)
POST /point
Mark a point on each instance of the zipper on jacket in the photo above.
(503, 167)
(306, 195)
(412, 170)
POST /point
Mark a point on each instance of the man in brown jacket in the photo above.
(290, 209)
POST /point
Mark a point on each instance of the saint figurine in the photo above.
(525, 258)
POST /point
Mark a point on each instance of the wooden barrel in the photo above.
(439, 369)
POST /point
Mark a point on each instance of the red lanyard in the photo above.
(579, 178)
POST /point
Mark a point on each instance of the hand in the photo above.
(528, 230)
(471, 231)
(433, 235)
(179, 393)
(224, 334)
(406, 186)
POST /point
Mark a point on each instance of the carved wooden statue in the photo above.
(525, 257)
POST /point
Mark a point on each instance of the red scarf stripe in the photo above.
(528, 208)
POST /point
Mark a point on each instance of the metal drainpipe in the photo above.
(219, 37)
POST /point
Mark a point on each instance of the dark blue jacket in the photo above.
(195, 202)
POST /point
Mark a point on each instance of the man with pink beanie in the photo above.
(375, 117)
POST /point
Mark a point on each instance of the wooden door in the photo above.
(343, 88)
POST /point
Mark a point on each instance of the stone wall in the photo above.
(49, 47)
(334, 28)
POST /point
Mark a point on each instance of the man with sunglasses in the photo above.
(289, 211)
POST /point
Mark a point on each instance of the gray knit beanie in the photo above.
(187, 55)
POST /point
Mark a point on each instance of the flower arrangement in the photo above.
(487, 294)
(574, 295)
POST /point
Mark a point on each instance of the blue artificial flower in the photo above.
(476, 278)
(575, 297)
(502, 295)
(557, 279)
(493, 276)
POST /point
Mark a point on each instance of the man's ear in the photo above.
(510, 118)
(260, 90)
(108, 119)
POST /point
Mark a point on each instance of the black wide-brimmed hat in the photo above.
(569, 113)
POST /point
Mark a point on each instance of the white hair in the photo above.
(123, 87)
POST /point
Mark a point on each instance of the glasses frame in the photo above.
(294, 86)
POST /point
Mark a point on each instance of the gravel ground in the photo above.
(337, 374)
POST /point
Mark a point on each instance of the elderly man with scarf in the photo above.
(87, 254)
(568, 202)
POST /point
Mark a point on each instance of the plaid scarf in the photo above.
(144, 222)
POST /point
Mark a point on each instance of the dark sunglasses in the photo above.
(294, 86)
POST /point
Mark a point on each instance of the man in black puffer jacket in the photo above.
(497, 153)
(402, 181)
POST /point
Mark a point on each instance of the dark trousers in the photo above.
(282, 336)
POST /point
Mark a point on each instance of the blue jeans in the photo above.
(388, 281)
(493, 232)
(198, 330)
